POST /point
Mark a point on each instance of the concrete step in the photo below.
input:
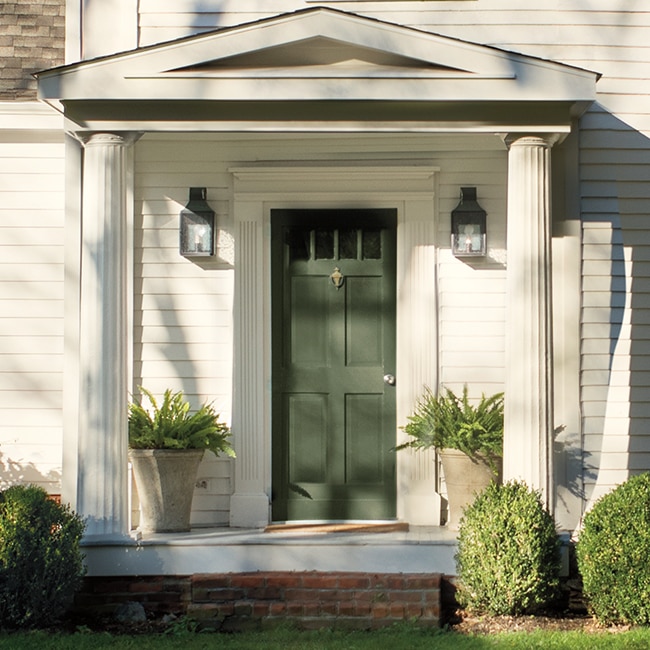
(420, 549)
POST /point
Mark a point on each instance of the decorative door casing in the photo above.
(410, 191)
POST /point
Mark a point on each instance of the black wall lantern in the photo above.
(468, 232)
(197, 226)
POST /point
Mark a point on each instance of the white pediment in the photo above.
(315, 55)
(321, 37)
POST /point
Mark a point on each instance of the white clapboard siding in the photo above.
(472, 292)
(472, 344)
(170, 318)
(186, 335)
(211, 504)
(31, 309)
(485, 316)
(604, 305)
(181, 351)
(188, 369)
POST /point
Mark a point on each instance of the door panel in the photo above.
(363, 436)
(307, 420)
(309, 343)
(333, 416)
(363, 341)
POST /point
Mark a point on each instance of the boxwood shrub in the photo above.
(613, 554)
(508, 558)
(41, 565)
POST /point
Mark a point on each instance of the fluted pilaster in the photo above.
(417, 362)
(249, 505)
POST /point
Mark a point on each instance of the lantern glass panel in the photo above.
(468, 226)
(196, 234)
(197, 226)
(468, 239)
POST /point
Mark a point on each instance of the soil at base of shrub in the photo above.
(463, 623)
(467, 623)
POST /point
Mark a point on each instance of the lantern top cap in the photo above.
(468, 203)
(198, 193)
(468, 194)
(198, 203)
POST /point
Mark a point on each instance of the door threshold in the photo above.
(338, 527)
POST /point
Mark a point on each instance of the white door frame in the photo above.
(411, 190)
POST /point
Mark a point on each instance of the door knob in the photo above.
(389, 379)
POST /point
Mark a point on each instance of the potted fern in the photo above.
(468, 437)
(166, 445)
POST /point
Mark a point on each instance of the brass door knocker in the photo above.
(337, 278)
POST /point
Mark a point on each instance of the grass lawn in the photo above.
(399, 638)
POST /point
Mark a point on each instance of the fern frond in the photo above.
(449, 421)
(171, 425)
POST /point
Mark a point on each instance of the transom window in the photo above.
(334, 244)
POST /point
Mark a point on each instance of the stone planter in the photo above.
(165, 479)
(465, 477)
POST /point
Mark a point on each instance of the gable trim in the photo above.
(362, 60)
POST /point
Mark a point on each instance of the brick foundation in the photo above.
(232, 601)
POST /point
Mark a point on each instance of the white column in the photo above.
(529, 361)
(249, 505)
(103, 338)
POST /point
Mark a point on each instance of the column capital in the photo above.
(532, 139)
(106, 138)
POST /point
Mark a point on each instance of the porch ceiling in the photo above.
(319, 69)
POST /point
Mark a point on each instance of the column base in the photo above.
(249, 510)
(422, 508)
(107, 539)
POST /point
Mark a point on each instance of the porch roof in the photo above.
(319, 69)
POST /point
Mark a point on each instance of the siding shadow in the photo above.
(615, 373)
(13, 472)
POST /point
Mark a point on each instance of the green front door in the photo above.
(333, 315)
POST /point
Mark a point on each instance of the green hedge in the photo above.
(508, 556)
(614, 554)
(41, 565)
